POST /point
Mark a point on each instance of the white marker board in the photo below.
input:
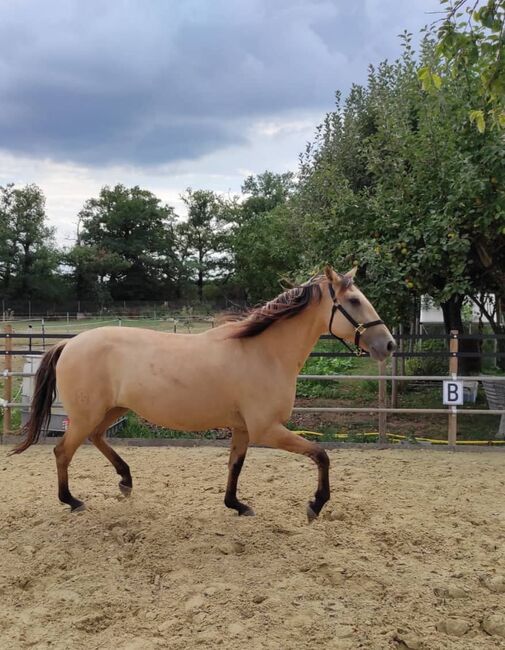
(453, 392)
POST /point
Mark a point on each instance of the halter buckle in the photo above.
(361, 329)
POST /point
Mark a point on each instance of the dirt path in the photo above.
(410, 548)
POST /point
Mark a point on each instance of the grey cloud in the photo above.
(152, 82)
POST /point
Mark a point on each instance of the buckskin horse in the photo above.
(240, 375)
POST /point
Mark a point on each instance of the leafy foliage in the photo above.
(323, 366)
(265, 240)
(28, 257)
(129, 241)
(400, 181)
(429, 365)
(471, 41)
(202, 237)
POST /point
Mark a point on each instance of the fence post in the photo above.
(382, 404)
(401, 348)
(8, 380)
(394, 372)
(496, 347)
(452, 431)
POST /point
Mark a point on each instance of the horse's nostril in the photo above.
(392, 346)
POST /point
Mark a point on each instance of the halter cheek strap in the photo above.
(359, 328)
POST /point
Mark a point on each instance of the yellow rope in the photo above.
(397, 436)
(308, 433)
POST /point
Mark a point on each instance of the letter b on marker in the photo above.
(453, 393)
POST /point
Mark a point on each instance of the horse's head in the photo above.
(353, 318)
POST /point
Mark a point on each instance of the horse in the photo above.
(241, 375)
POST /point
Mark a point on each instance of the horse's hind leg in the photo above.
(239, 444)
(122, 468)
(64, 452)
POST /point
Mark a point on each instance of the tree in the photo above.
(265, 192)
(203, 237)
(471, 44)
(422, 202)
(130, 235)
(28, 256)
(6, 236)
(92, 268)
(265, 239)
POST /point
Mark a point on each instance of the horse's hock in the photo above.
(495, 393)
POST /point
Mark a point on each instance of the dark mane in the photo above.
(288, 304)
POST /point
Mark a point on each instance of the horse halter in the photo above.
(359, 328)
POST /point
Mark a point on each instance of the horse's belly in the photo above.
(188, 418)
(183, 403)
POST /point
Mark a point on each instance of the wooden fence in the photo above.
(385, 404)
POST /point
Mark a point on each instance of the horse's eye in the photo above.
(355, 301)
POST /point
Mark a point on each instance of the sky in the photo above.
(170, 94)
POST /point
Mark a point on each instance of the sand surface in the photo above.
(409, 553)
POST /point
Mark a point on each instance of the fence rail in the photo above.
(375, 409)
(382, 409)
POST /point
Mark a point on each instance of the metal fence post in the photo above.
(382, 403)
(8, 380)
(452, 431)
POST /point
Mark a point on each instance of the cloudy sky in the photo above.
(168, 94)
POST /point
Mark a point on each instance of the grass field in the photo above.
(343, 393)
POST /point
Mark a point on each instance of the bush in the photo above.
(327, 366)
(323, 366)
(430, 365)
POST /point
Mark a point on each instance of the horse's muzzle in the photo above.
(381, 349)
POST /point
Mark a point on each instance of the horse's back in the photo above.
(176, 380)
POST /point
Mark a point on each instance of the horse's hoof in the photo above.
(311, 515)
(80, 507)
(247, 513)
(126, 490)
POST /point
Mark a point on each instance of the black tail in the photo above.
(43, 397)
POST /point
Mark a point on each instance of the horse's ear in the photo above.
(350, 274)
(331, 276)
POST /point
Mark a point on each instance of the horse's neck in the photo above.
(292, 340)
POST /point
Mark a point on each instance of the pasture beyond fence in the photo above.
(37, 342)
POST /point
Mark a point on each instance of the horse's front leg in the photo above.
(279, 437)
(238, 450)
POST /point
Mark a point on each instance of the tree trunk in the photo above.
(498, 327)
(500, 348)
(495, 320)
(453, 321)
(199, 284)
(452, 314)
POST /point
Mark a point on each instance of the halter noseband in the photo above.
(359, 328)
